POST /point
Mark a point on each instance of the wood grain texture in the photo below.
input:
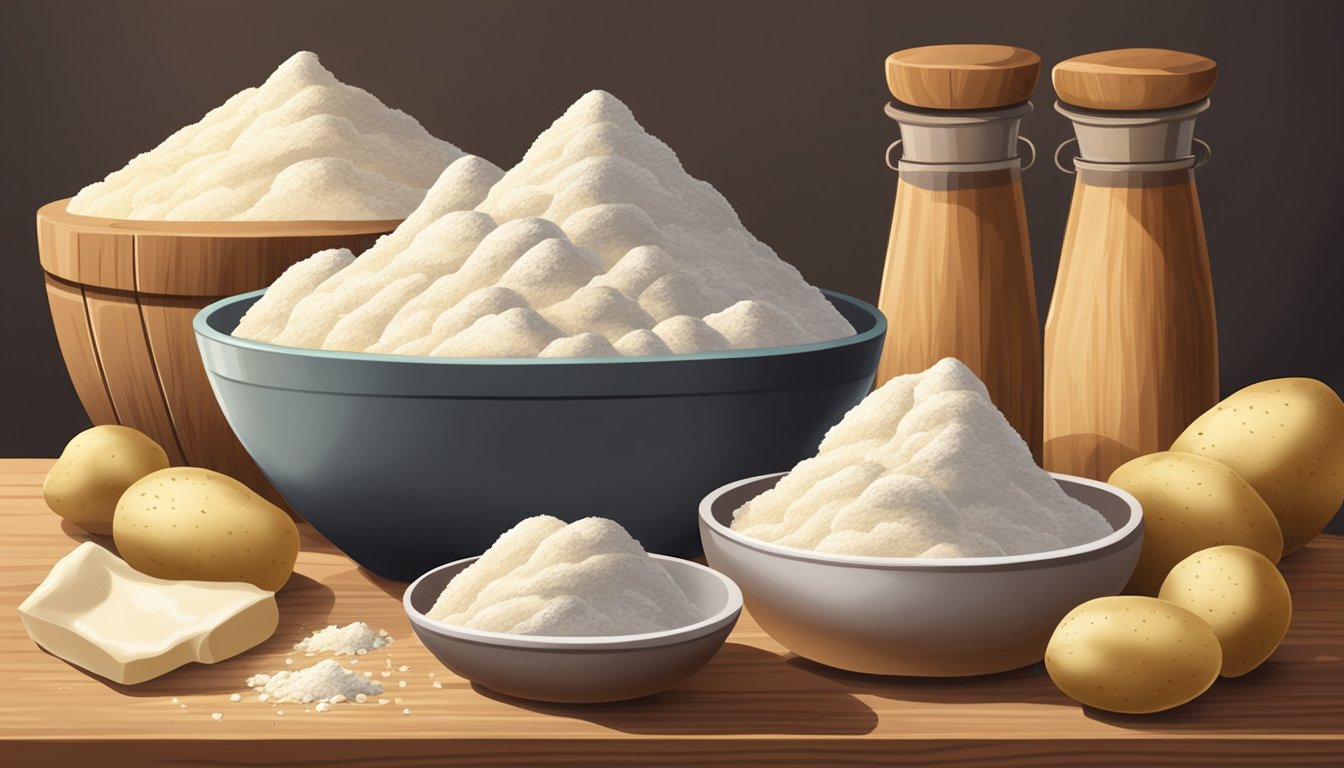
(962, 76)
(755, 704)
(214, 267)
(139, 284)
(129, 368)
(1134, 78)
(1131, 346)
(70, 318)
(958, 283)
(88, 257)
(56, 212)
(198, 426)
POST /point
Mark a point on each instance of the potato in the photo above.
(1286, 438)
(97, 465)
(189, 523)
(1192, 503)
(1241, 595)
(1133, 654)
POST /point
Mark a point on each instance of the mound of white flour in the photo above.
(925, 466)
(598, 243)
(355, 638)
(542, 577)
(326, 681)
(303, 145)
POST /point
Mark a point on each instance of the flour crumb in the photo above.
(235, 697)
(325, 681)
(349, 640)
(216, 716)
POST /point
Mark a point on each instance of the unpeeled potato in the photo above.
(1241, 595)
(1286, 438)
(1133, 654)
(97, 465)
(190, 523)
(1192, 503)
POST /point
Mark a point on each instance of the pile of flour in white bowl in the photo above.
(927, 467)
(543, 577)
(302, 146)
(597, 244)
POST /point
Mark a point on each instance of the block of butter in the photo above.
(96, 612)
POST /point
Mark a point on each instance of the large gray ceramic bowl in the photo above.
(407, 462)
(580, 670)
(915, 616)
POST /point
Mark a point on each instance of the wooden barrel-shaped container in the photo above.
(123, 294)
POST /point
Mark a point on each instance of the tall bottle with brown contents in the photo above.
(1131, 350)
(957, 281)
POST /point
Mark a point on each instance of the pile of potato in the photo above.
(170, 522)
(1251, 481)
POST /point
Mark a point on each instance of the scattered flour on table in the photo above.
(327, 681)
(302, 145)
(543, 577)
(925, 466)
(354, 638)
(598, 243)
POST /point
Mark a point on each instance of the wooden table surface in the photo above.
(754, 704)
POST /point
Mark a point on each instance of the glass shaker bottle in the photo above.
(1131, 350)
(958, 277)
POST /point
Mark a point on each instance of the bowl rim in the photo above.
(1115, 539)
(690, 632)
(201, 325)
(58, 210)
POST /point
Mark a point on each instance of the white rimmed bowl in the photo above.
(914, 616)
(580, 670)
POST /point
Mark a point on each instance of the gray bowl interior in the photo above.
(405, 463)
(579, 670)
(1103, 501)
(907, 616)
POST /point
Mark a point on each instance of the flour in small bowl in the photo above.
(927, 467)
(355, 638)
(325, 682)
(543, 577)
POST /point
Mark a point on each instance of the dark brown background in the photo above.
(778, 104)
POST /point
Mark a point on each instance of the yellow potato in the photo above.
(189, 523)
(1286, 438)
(97, 465)
(1192, 503)
(1133, 654)
(1241, 595)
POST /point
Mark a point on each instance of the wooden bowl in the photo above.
(123, 294)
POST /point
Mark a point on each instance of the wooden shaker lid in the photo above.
(963, 76)
(1134, 78)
